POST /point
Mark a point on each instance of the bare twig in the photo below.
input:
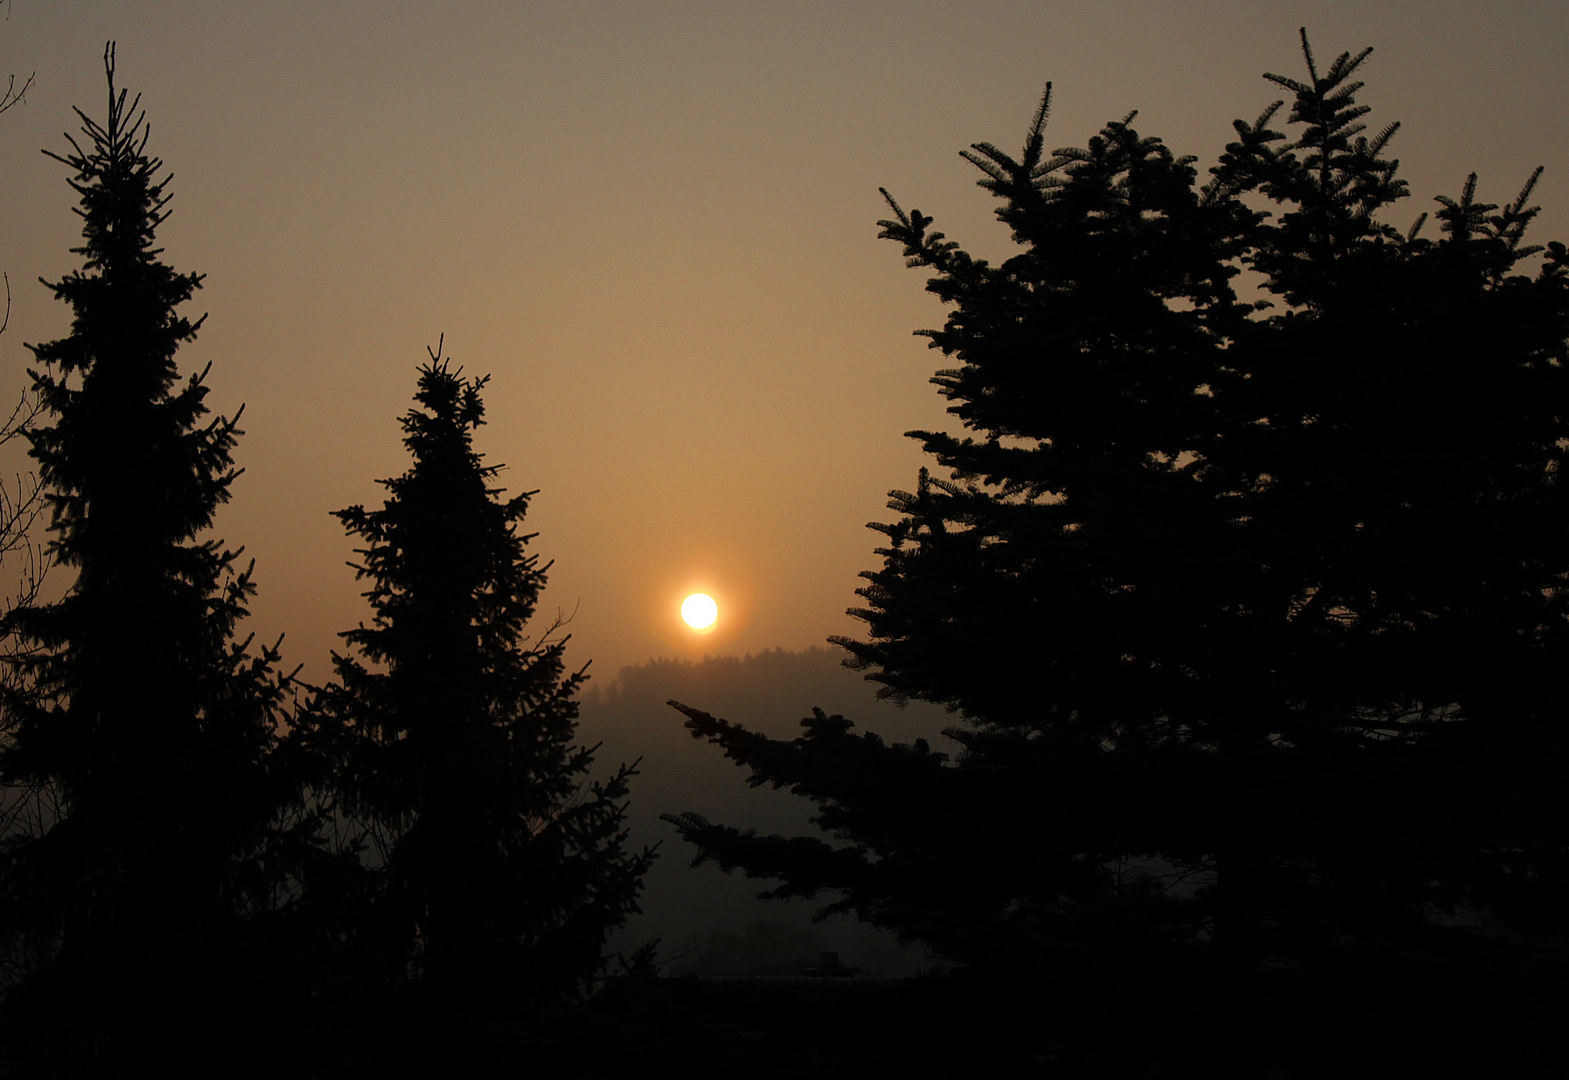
(14, 95)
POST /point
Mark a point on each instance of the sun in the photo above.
(699, 611)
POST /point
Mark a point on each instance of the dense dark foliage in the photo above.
(500, 866)
(137, 729)
(1252, 610)
(167, 891)
(1250, 603)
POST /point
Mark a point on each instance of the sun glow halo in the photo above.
(699, 611)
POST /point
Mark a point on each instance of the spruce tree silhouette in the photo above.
(1015, 592)
(135, 714)
(1401, 541)
(503, 866)
(1261, 597)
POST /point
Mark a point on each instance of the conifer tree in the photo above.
(1007, 591)
(144, 721)
(1266, 598)
(1394, 470)
(502, 864)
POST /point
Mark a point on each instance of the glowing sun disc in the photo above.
(699, 611)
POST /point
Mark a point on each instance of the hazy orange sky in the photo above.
(654, 225)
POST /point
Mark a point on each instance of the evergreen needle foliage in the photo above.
(1253, 610)
(501, 865)
(137, 729)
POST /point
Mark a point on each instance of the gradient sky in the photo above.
(653, 224)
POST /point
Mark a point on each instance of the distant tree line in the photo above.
(203, 856)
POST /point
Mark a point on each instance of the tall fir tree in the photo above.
(502, 864)
(1009, 591)
(1267, 600)
(136, 713)
(1394, 471)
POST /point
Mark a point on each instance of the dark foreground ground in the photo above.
(1466, 1016)
(1482, 1012)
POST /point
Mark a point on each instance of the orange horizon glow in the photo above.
(706, 373)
